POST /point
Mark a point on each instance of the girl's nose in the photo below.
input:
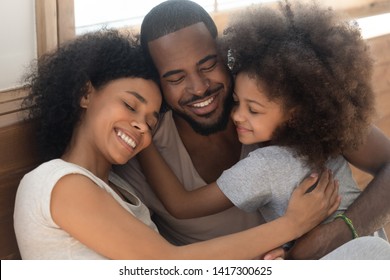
(237, 115)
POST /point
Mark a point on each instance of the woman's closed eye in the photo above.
(129, 106)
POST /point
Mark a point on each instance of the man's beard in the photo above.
(219, 125)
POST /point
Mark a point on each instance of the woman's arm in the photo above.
(94, 217)
(179, 202)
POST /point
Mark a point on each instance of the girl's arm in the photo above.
(179, 202)
(95, 218)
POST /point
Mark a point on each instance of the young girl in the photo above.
(96, 103)
(302, 94)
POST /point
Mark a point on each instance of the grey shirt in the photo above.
(267, 177)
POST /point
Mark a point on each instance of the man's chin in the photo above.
(207, 128)
(210, 123)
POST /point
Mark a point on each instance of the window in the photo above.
(92, 15)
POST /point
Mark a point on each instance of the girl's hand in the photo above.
(308, 209)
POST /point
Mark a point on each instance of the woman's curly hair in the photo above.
(59, 80)
(311, 59)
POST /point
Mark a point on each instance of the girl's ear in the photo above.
(84, 101)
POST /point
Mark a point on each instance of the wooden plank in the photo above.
(381, 78)
(11, 106)
(6, 96)
(382, 105)
(18, 156)
(18, 147)
(380, 49)
(46, 17)
(365, 8)
(384, 124)
(66, 21)
(12, 118)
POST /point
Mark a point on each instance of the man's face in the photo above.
(196, 83)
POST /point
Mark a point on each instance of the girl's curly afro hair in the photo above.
(311, 59)
(59, 80)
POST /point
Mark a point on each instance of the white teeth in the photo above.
(204, 103)
(127, 139)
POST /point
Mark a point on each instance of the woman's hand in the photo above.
(309, 208)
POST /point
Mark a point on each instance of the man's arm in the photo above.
(369, 212)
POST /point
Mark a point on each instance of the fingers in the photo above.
(330, 187)
(325, 178)
(335, 199)
(307, 183)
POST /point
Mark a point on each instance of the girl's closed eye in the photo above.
(253, 111)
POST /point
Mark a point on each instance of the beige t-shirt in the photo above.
(184, 231)
(38, 236)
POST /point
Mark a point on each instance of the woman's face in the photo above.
(255, 116)
(119, 117)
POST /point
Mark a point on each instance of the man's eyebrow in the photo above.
(203, 60)
(138, 96)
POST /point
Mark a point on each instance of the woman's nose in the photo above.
(140, 125)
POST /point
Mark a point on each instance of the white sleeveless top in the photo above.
(38, 236)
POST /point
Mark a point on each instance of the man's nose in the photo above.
(197, 84)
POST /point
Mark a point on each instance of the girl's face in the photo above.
(119, 117)
(255, 116)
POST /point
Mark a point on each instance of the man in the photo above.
(198, 139)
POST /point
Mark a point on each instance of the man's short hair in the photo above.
(173, 15)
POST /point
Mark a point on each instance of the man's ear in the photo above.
(84, 101)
